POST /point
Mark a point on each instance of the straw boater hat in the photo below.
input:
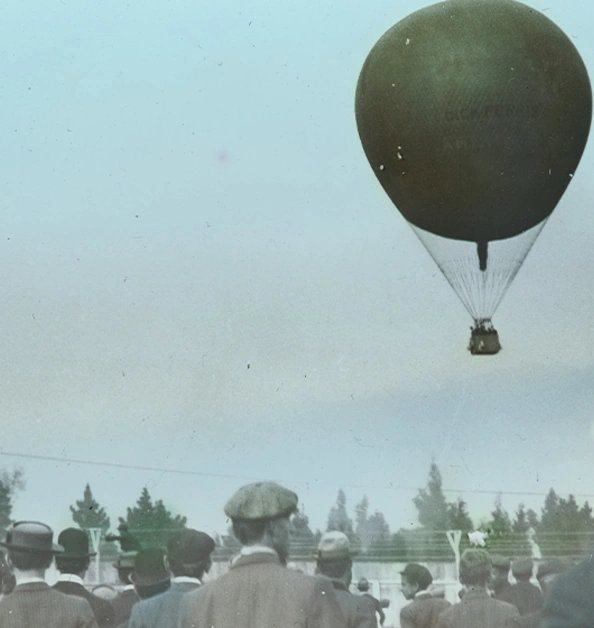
(31, 536)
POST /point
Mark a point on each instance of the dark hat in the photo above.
(31, 536)
(125, 560)
(150, 567)
(551, 567)
(363, 584)
(418, 574)
(75, 543)
(263, 500)
(190, 546)
(334, 546)
(522, 567)
(500, 562)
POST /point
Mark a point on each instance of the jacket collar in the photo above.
(37, 585)
(253, 559)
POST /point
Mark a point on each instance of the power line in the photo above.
(226, 476)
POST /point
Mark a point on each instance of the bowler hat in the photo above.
(262, 500)
(334, 546)
(190, 546)
(31, 536)
(150, 567)
(75, 543)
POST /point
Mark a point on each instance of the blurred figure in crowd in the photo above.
(477, 609)
(189, 555)
(424, 609)
(547, 572)
(151, 574)
(569, 602)
(527, 596)
(363, 586)
(500, 584)
(334, 560)
(125, 600)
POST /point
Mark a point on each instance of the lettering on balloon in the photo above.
(491, 112)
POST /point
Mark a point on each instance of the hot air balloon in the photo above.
(474, 115)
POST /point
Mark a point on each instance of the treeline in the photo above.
(561, 528)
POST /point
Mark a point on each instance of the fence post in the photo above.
(454, 538)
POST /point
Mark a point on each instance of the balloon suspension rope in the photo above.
(482, 248)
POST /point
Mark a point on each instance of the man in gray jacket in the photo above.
(258, 591)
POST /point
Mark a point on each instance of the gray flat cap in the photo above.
(262, 500)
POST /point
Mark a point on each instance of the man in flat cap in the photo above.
(189, 555)
(33, 602)
(258, 591)
(477, 609)
(527, 596)
(334, 560)
(423, 609)
(72, 564)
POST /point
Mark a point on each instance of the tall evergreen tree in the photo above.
(431, 503)
(458, 517)
(152, 523)
(88, 513)
(520, 524)
(10, 484)
(338, 518)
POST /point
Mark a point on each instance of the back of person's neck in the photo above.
(22, 576)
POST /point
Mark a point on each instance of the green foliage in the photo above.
(88, 513)
(372, 531)
(338, 518)
(431, 503)
(10, 484)
(458, 517)
(152, 524)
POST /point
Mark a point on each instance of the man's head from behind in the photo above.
(151, 574)
(499, 571)
(260, 515)
(30, 547)
(475, 568)
(76, 555)
(189, 553)
(334, 557)
(414, 578)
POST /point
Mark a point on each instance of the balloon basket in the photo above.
(484, 342)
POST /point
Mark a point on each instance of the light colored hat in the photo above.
(334, 546)
(262, 500)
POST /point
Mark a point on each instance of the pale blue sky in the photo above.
(183, 194)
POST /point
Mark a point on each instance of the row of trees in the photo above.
(563, 527)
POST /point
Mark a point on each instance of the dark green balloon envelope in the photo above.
(474, 115)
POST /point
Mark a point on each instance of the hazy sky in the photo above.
(200, 272)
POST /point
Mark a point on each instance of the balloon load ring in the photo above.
(474, 115)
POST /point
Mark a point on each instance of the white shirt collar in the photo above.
(180, 579)
(28, 580)
(70, 577)
(128, 587)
